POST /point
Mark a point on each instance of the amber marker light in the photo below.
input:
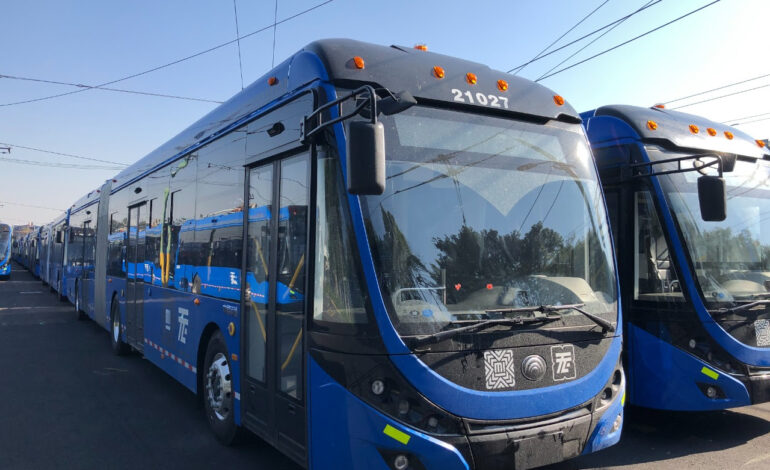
(694, 129)
(712, 132)
(652, 125)
(471, 78)
(421, 47)
(729, 135)
(272, 81)
(197, 301)
(558, 100)
(358, 62)
(660, 106)
(502, 85)
(438, 72)
(761, 143)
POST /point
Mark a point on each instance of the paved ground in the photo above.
(67, 402)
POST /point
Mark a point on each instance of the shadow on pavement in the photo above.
(657, 436)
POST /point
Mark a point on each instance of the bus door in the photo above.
(137, 224)
(274, 303)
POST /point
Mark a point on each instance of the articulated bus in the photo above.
(452, 305)
(6, 242)
(689, 201)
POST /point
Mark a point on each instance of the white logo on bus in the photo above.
(183, 322)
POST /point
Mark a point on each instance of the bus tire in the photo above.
(218, 393)
(119, 348)
(79, 313)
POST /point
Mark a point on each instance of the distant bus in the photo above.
(445, 307)
(694, 272)
(6, 241)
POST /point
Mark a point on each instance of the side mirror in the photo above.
(712, 198)
(366, 158)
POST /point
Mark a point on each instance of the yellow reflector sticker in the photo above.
(623, 399)
(709, 373)
(401, 437)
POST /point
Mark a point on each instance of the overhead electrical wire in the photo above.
(521, 67)
(721, 96)
(238, 36)
(589, 44)
(585, 36)
(629, 41)
(30, 205)
(135, 92)
(79, 157)
(154, 69)
(59, 165)
(745, 117)
(717, 88)
(752, 121)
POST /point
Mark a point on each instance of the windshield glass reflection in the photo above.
(481, 214)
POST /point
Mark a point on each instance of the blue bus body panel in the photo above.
(665, 377)
(347, 436)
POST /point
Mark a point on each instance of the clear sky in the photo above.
(95, 41)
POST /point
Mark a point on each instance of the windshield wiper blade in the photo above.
(605, 324)
(446, 334)
(725, 311)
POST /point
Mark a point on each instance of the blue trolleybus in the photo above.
(689, 201)
(372, 257)
(6, 243)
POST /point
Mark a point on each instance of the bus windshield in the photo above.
(484, 215)
(5, 236)
(731, 258)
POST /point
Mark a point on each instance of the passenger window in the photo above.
(655, 274)
(338, 286)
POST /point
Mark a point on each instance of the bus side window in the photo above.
(655, 276)
(339, 286)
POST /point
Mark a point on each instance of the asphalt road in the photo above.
(67, 402)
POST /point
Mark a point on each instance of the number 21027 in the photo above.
(480, 98)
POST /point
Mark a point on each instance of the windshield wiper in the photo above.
(442, 335)
(725, 311)
(606, 325)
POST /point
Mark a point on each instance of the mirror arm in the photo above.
(717, 161)
(313, 123)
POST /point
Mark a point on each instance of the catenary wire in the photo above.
(585, 36)
(135, 92)
(716, 89)
(521, 67)
(630, 40)
(154, 69)
(721, 96)
(64, 154)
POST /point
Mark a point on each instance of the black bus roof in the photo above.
(672, 130)
(331, 60)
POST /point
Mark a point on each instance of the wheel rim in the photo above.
(219, 387)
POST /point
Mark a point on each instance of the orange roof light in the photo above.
(272, 81)
(652, 125)
(358, 62)
(471, 78)
(558, 100)
(712, 132)
(660, 106)
(502, 85)
(761, 143)
(729, 135)
(694, 129)
(438, 72)
(421, 47)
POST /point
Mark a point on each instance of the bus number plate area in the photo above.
(484, 99)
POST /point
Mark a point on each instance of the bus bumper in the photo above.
(354, 435)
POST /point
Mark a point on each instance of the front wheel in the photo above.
(218, 394)
(118, 346)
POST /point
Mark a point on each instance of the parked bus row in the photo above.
(387, 258)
